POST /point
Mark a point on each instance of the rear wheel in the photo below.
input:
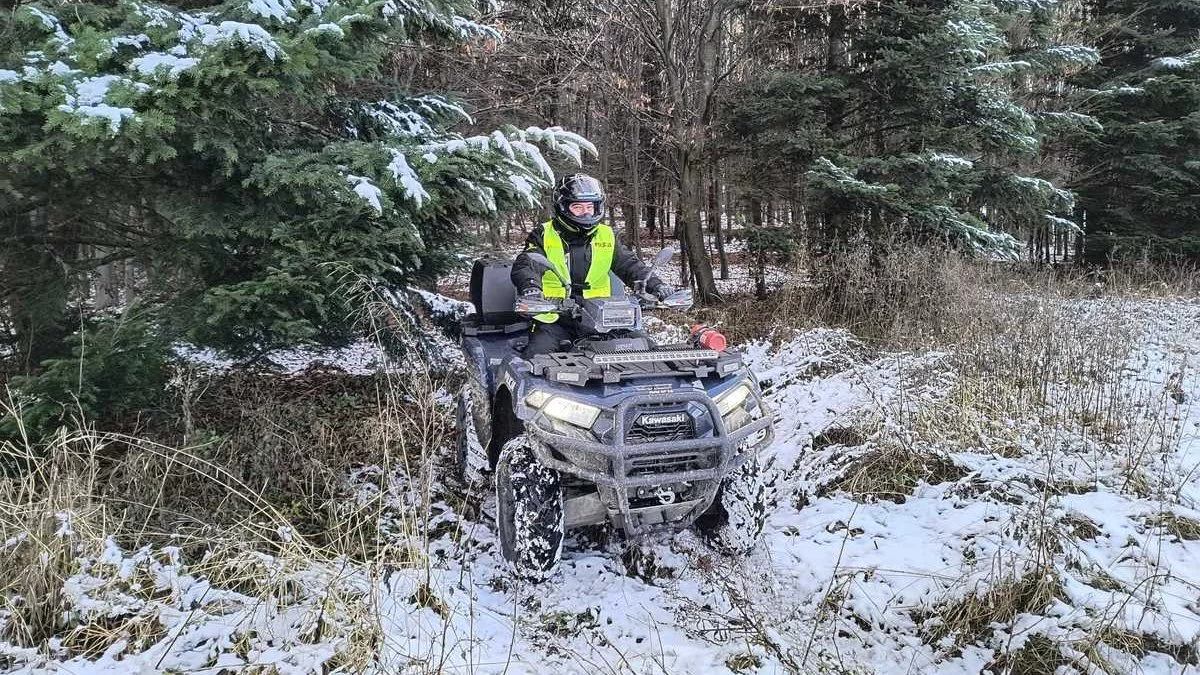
(529, 510)
(738, 513)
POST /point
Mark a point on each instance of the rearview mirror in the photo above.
(544, 263)
(659, 260)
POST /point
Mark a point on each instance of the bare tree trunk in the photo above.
(107, 289)
(714, 221)
(760, 263)
(635, 179)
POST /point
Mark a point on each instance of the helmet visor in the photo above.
(585, 188)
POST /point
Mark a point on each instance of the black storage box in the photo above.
(492, 291)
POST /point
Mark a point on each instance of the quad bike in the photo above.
(613, 429)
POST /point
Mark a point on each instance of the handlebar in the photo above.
(529, 307)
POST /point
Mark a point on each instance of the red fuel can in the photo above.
(708, 338)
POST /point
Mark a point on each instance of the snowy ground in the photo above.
(1028, 531)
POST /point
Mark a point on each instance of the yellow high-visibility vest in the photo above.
(598, 283)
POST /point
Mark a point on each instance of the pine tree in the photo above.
(245, 155)
(915, 122)
(1139, 179)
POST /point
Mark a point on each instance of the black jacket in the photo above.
(526, 276)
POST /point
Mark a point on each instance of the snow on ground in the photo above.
(1081, 533)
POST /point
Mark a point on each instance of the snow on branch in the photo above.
(86, 98)
(949, 160)
(1072, 119)
(1002, 67)
(557, 139)
(966, 230)
(368, 191)
(1179, 62)
(1062, 224)
(53, 25)
(471, 30)
(249, 34)
(407, 179)
(1075, 55)
(832, 176)
(1046, 190)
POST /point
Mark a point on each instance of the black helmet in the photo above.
(579, 187)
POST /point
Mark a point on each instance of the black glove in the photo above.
(663, 291)
(533, 293)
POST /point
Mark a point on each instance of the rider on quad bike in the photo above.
(582, 249)
(610, 427)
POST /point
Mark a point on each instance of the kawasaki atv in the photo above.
(614, 428)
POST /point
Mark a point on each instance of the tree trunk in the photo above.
(714, 222)
(760, 267)
(635, 179)
(37, 289)
(691, 231)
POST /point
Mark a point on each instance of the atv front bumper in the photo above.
(629, 474)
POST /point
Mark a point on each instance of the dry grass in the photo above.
(968, 620)
(1182, 527)
(1038, 656)
(248, 492)
(891, 472)
(903, 295)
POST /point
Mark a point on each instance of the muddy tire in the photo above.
(529, 511)
(469, 457)
(734, 522)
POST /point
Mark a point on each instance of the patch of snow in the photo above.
(272, 9)
(7, 76)
(471, 30)
(330, 28)
(951, 160)
(528, 192)
(88, 100)
(1082, 55)
(1002, 67)
(360, 358)
(190, 26)
(138, 41)
(1063, 224)
(407, 179)
(486, 196)
(1179, 62)
(249, 34)
(441, 306)
(115, 116)
(48, 21)
(170, 64)
(1045, 187)
(400, 121)
(370, 193)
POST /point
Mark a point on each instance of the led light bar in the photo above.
(656, 357)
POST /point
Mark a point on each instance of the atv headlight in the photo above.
(738, 407)
(732, 399)
(563, 409)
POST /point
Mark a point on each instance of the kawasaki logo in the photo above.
(659, 420)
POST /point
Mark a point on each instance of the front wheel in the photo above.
(738, 513)
(470, 459)
(529, 511)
